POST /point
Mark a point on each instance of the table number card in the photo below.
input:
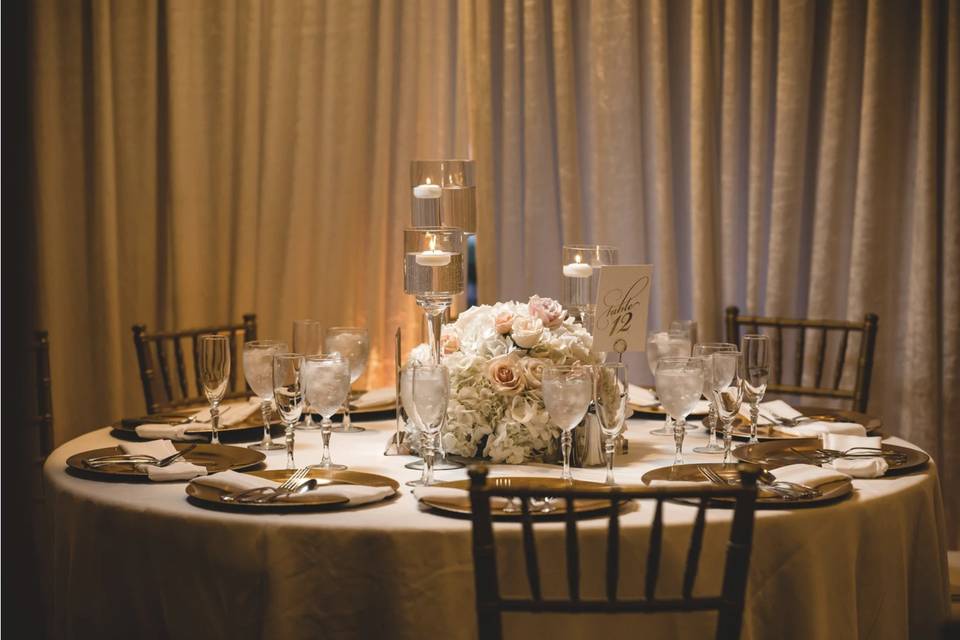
(623, 299)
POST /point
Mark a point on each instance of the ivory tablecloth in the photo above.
(139, 560)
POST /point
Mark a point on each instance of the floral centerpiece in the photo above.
(496, 355)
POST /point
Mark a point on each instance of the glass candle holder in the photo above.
(581, 275)
(426, 179)
(433, 272)
(454, 203)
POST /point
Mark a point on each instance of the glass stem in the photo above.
(434, 318)
(215, 422)
(727, 440)
(566, 442)
(346, 414)
(441, 452)
(308, 419)
(608, 448)
(679, 431)
(325, 426)
(754, 418)
(288, 440)
(428, 453)
(712, 426)
(265, 413)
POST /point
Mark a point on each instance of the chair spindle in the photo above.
(530, 552)
(693, 553)
(573, 552)
(821, 352)
(181, 367)
(653, 552)
(164, 367)
(799, 356)
(613, 550)
(841, 359)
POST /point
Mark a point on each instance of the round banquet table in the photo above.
(139, 560)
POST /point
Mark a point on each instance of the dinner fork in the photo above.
(287, 487)
(134, 458)
(784, 489)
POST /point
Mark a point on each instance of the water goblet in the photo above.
(214, 372)
(353, 343)
(706, 350)
(429, 392)
(665, 344)
(679, 383)
(610, 399)
(726, 380)
(258, 370)
(326, 380)
(756, 365)
(288, 394)
(307, 341)
(567, 393)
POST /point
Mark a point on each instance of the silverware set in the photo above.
(135, 459)
(781, 488)
(829, 455)
(784, 421)
(296, 483)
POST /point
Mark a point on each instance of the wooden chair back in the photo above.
(824, 384)
(43, 421)
(729, 603)
(163, 358)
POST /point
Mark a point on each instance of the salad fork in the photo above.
(134, 458)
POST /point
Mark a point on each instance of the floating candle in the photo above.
(427, 191)
(433, 257)
(577, 269)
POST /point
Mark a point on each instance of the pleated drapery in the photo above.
(196, 160)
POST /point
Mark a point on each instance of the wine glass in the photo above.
(756, 364)
(726, 381)
(326, 383)
(258, 370)
(353, 343)
(610, 399)
(688, 327)
(705, 351)
(666, 344)
(307, 341)
(567, 392)
(214, 376)
(429, 392)
(288, 394)
(679, 383)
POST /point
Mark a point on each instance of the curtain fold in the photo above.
(198, 160)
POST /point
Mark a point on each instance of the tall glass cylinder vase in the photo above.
(433, 272)
(426, 184)
(581, 275)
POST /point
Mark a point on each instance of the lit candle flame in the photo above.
(432, 239)
(577, 258)
(428, 181)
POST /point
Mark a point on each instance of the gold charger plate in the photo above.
(461, 506)
(253, 421)
(656, 410)
(777, 453)
(211, 495)
(741, 428)
(829, 492)
(215, 457)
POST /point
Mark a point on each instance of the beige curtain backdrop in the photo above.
(196, 160)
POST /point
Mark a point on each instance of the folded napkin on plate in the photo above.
(814, 429)
(856, 467)
(808, 475)
(231, 413)
(375, 398)
(161, 449)
(232, 481)
(641, 396)
(449, 493)
(701, 407)
(176, 432)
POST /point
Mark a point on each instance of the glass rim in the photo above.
(288, 355)
(434, 230)
(762, 336)
(263, 343)
(347, 328)
(684, 358)
(322, 357)
(214, 336)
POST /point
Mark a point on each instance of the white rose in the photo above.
(526, 332)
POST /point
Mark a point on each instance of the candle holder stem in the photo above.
(433, 309)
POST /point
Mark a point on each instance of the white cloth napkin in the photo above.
(808, 475)
(641, 396)
(178, 432)
(702, 407)
(231, 481)
(814, 429)
(230, 413)
(857, 467)
(161, 449)
(449, 493)
(376, 398)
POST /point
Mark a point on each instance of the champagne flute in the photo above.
(726, 381)
(307, 341)
(610, 399)
(288, 393)
(353, 343)
(567, 392)
(679, 383)
(756, 364)
(666, 344)
(214, 376)
(429, 392)
(258, 370)
(326, 379)
(706, 351)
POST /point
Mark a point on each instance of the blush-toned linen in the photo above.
(871, 566)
